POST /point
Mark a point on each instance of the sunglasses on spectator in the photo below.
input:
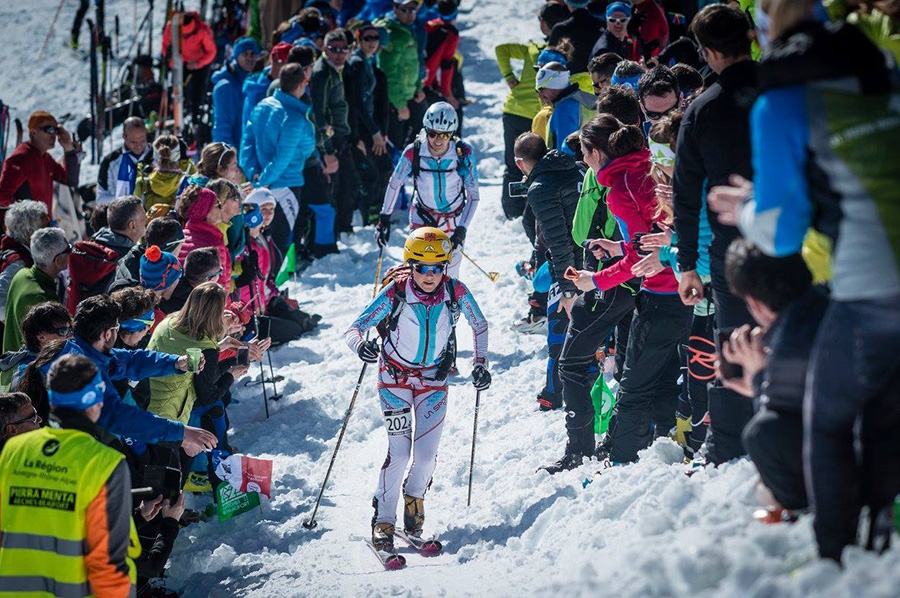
(236, 197)
(33, 419)
(617, 20)
(429, 268)
(226, 150)
(62, 331)
(215, 275)
(337, 49)
(49, 129)
(408, 9)
(370, 38)
(658, 115)
(68, 249)
(439, 134)
(599, 84)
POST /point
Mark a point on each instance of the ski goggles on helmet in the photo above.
(439, 134)
(429, 268)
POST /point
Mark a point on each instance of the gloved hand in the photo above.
(368, 351)
(383, 230)
(481, 378)
(458, 237)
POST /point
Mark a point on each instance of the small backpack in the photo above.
(92, 269)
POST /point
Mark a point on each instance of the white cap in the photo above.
(260, 197)
(550, 78)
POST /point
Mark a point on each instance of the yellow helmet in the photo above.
(427, 244)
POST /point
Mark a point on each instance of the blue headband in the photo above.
(80, 400)
(139, 323)
(547, 56)
(631, 82)
(618, 7)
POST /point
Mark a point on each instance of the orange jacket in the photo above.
(199, 45)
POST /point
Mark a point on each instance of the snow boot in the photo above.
(383, 537)
(568, 462)
(413, 515)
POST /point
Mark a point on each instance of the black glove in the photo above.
(383, 230)
(481, 378)
(637, 19)
(458, 237)
(249, 270)
(368, 351)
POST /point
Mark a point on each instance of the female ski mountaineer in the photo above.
(445, 181)
(415, 313)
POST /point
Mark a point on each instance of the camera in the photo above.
(243, 355)
(518, 189)
(163, 480)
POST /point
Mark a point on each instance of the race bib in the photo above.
(398, 422)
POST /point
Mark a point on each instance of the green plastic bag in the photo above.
(604, 401)
(288, 266)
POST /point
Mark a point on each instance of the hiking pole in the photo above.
(311, 522)
(474, 435)
(492, 275)
(50, 32)
(262, 374)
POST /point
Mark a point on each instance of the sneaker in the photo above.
(531, 324)
(413, 515)
(568, 462)
(383, 537)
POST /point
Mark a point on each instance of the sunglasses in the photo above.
(49, 129)
(408, 9)
(439, 135)
(233, 196)
(370, 38)
(64, 251)
(215, 275)
(599, 84)
(429, 268)
(658, 115)
(33, 419)
(337, 50)
(617, 20)
(64, 331)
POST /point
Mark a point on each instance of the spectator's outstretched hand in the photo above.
(182, 364)
(726, 200)
(650, 265)
(150, 508)
(197, 440)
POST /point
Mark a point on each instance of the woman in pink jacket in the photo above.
(203, 212)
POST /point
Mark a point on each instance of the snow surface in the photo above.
(641, 530)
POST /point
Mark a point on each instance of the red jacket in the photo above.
(633, 204)
(655, 27)
(443, 58)
(198, 46)
(28, 174)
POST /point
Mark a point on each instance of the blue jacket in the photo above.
(118, 417)
(278, 139)
(256, 87)
(228, 103)
(569, 113)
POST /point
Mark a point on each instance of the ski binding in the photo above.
(390, 560)
(424, 547)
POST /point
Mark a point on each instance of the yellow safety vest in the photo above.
(48, 478)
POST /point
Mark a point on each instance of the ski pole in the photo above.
(50, 32)
(474, 435)
(311, 522)
(492, 275)
(378, 271)
(262, 375)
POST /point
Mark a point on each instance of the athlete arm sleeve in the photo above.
(477, 322)
(108, 521)
(472, 192)
(777, 219)
(398, 179)
(687, 189)
(379, 309)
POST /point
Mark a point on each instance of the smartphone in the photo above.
(243, 355)
(264, 325)
(164, 480)
(728, 369)
(518, 189)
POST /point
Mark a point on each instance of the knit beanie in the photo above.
(245, 44)
(622, 7)
(159, 269)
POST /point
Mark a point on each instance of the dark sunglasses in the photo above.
(33, 419)
(439, 134)
(658, 115)
(215, 275)
(617, 20)
(408, 9)
(49, 129)
(235, 196)
(370, 38)
(336, 50)
(429, 268)
(63, 331)
(68, 249)
(599, 84)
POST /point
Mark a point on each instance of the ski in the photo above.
(424, 547)
(177, 71)
(391, 561)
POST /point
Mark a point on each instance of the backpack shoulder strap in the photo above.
(416, 166)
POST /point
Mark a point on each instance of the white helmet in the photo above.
(441, 117)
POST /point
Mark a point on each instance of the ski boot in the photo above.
(383, 537)
(413, 515)
(568, 462)
(531, 324)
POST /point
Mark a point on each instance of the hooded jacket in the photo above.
(113, 240)
(108, 178)
(632, 201)
(824, 133)
(198, 232)
(29, 174)
(117, 417)
(228, 103)
(279, 138)
(553, 190)
(198, 44)
(256, 88)
(29, 287)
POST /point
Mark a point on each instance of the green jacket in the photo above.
(326, 88)
(883, 30)
(29, 287)
(401, 61)
(522, 100)
(172, 397)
